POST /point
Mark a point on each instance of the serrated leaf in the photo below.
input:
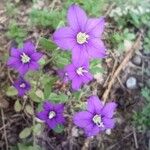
(59, 128)
(17, 106)
(11, 91)
(25, 133)
(47, 44)
(29, 109)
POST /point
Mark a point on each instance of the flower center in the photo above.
(51, 114)
(25, 58)
(82, 38)
(80, 71)
(98, 121)
(22, 85)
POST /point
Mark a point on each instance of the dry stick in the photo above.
(86, 144)
(135, 138)
(121, 66)
(5, 134)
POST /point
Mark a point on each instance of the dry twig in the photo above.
(135, 138)
(4, 128)
(128, 56)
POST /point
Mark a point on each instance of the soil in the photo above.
(123, 137)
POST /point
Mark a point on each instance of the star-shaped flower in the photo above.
(24, 59)
(52, 114)
(78, 73)
(22, 86)
(97, 117)
(82, 35)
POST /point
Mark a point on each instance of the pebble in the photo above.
(131, 83)
(137, 60)
(75, 132)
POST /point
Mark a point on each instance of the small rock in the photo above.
(108, 131)
(75, 132)
(131, 83)
(137, 60)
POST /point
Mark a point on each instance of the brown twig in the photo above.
(5, 133)
(128, 56)
(135, 138)
(86, 144)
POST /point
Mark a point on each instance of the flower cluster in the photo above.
(82, 37)
(23, 60)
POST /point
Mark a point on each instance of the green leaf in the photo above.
(25, 133)
(59, 128)
(96, 66)
(11, 91)
(39, 94)
(58, 98)
(146, 93)
(29, 109)
(48, 84)
(62, 59)
(34, 97)
(47, 44)
(17, 106)
(37, 129)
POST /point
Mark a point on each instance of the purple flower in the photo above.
(22, 86)
(24, 59)
(78, 73)
(97, 117)
(52, 114)
(82, 35)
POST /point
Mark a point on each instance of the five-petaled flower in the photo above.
(78, 73)
(52, 114)
(24, 59)
(22, 86)
(82, 35)
(97, 117)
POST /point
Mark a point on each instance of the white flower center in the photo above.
(25, 58)
(98, 121)
(82, 38)
(22, 85)
(80, 71)
(51, 115)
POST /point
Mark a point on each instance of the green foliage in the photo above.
(133, 13)
(11, 91)
(92, 7)
(16, 33)
(47, 44)
(146, 43)
(59, 128)
(142, 118)
(25, 133)
(45, 18)
(61, 59)
(11, 9)
(118, 39)
(22, 146)
(58, 98)
(96, 66)
(17, 106)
